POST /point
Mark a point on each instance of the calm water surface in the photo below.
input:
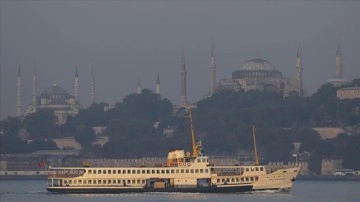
(319, 191)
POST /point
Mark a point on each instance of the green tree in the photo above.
(41, 124)
(11, 126)
(85, 136)
(42, 145)
(315, 164)
(12, 144)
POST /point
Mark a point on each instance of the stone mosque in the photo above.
(54, 97)
(259, 74)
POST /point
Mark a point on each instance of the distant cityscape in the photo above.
(254, 74)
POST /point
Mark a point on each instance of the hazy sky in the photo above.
(127, 40)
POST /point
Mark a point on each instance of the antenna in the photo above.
(195, 151)
(255, 150)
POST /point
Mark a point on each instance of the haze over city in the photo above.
(126, 40)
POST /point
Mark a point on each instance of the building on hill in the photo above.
(338, 79)
(57, 99)
(260, 74)
(348, 93)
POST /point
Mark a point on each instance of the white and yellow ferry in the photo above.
(182, 172)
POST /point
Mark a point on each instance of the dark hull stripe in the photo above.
(140, 190)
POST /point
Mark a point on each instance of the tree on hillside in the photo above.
(10, 126)
(309, 138)
(95, 115)
(85, 136)
(42, 145)
(41, 124)
(147, 105)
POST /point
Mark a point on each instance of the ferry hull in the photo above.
(116, 190)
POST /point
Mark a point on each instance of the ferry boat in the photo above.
(182, 172)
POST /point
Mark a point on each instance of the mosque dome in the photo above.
(257, 67)
(55, 92)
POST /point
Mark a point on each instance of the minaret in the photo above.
(338, 73)
(212, 70)
(139, 88)
(92, 87)
(34, 89)
(76, 85)
(18, 92)
(299, 71)
(183, 97)
(157, 89)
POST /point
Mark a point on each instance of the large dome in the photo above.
(256, 67)
(55, 92)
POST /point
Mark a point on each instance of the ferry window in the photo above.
(261, 168)
(251, 179)
(192, 170)
(138, 181)
(70, 181)
(134, 171)
(157, 171)
(109, 181)
(153, 171)
(104, 181)
(199, 160)
(206, 170)
(143, 171)
(247, 169)
(256, 178)
(218, 180)
(187, 170)
(237, 179)
(172, 171)
(182, 170)
(79, 181)
(222, 180)
(162, 171)
(114, 181)
(94, 171)
(203, 160)
(148, 171)
(252, 168)
(119, 181)
(114, 171)
(167, 171)
(232, 180)
(85, 181)
(201, 170)
(129, 171)
(257, 168)
(89, 171)
(207, 160)
(99, 171)
(109, 171)
(143, 181)
(247, 179)
(133, 181)
(129, 181)
(242, 179)
(119, 171)
(99, 181)
(138, 171)
(124, 171)
(104, 171)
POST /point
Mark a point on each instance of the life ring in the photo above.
(188, 164)
(180, 164)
